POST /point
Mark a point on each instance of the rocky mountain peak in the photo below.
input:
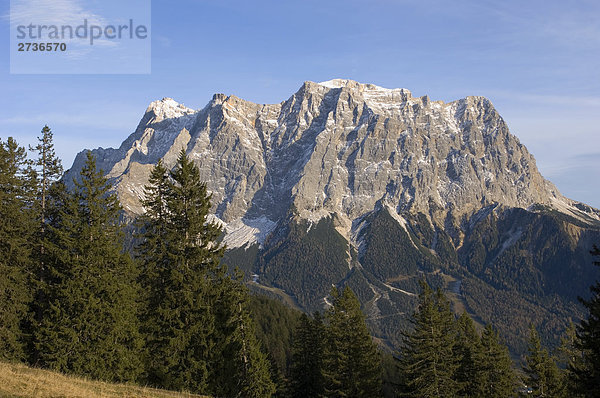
(337, 147)
(360, 87)
(167, 108)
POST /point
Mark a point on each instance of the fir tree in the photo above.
(392, 378)
(352, 363)
(428, 360)
(91, 325)
(243, 370)
(307, 358)
(15, 248)
(568, 354)
(541, 372)
(152, 249)
(48, 170)
(279, 379)
(571, 360)
(586, 376)
(468, 351)
(496, 377)
(200, 334)
(180, 259)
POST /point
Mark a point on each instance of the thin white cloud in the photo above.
(59, 13)
(65, 12)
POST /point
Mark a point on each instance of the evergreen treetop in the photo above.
(429, 363)
(307, 358)
(48, 166)
(352, 363)
(496, 376)
(541, 373)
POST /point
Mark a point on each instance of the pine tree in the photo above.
(243, 370)
(277, 375)
(15, 248)
(179, 258)
(571, 360)
(496, 377)
(469, 352)
(541, 372)
(428, 360)
(587, 376)
(154, 221)
(200, 334)
(152, 249)
(48, 171)
(91, 325)
(307, 358)
(352, 363)
(392, 378)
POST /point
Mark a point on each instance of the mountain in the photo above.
(350, 183)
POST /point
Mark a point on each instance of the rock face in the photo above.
(337, 147)
(349, 183)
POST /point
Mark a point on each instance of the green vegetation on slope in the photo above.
(307, 261)
(390, 251)
(275, 323)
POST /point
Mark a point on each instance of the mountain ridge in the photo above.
(271, 151)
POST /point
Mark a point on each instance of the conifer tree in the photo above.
(152, 249)
(307, 358)
(48, 170)
(496, 377)
(15, 248)
(571, 360)
(91, 325)
(541, 372)
(468, 351)
(155, 219)
(586, 376)
(352, 363)
(242, 369)
(199, 332)
(428, 359)
(278, 377)
(181, 260)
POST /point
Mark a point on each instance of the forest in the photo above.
(77, 297)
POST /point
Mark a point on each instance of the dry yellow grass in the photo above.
(21, 381)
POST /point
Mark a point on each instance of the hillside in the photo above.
(21, 381)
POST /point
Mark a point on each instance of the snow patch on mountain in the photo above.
(575, 209)
(168, 108)
(247, 232)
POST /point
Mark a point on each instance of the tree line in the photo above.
(170, 313)
(74, 300)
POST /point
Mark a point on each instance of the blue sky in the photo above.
(538, 61)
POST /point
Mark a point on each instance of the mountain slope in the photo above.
(352, 183)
